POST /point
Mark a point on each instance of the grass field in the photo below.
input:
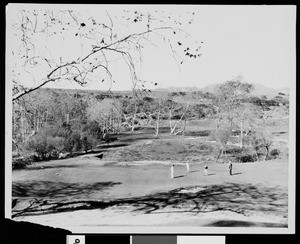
(128, 183)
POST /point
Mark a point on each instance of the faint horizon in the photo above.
(171, 87)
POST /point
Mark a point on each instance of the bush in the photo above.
(274, 153)
(45, 146)
(93, 128)
(242, 155)
(54, 146)
(198, 133)
(88, 142)
(234, 150)
(247, 158)
(72, 142)
(21, 162)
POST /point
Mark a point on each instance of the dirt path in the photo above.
(144, 194)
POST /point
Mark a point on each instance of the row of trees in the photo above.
(53, 121)
(47, 107)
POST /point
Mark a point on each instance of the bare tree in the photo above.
(228, 100)
(246, 117)
(261, 139)
(66, 45)
(132, 111)
(155, 114)
(179, 106)
(222, 135)
(105, 113)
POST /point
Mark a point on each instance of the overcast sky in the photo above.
(257, 42)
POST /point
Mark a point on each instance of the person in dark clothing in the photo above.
(230, 168)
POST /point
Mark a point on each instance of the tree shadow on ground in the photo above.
(43, 167)
(238, 223)
(178, 176)
(104, 146)
(239, 198)
(49, 189)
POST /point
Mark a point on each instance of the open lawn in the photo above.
(128, 183)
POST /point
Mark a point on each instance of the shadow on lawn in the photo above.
(238, 223)
(49, 189)
(233, 197)
(178, 176)
(43, 167)
(104, 146)
(238, 198)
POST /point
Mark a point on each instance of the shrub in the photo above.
(242, 155)
(234, 150)
(88, 142)
(260, 141)
(205, 147)
(72, 143)
(274, 153)
(247, 158)
(198, 133)
(54, 146)
(21, 162)
(93, 129)
(45, 146)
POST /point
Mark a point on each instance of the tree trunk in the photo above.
(22, 126)
(267, 154)
(184, 124)
(170, 122)
(256, 156)
(175, 126)
(241, 136)
(113, 124)
(46, 118)
(68, 118)
(134, 117)
(220, 154)
(157, 125)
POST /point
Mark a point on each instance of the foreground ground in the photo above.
(89, 192)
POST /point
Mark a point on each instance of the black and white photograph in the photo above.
(151, 118)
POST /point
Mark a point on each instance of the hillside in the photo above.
(259, 89)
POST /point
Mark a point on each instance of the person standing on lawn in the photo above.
(187, 167)
(230, 168)
(172, 171)
(205, 170)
